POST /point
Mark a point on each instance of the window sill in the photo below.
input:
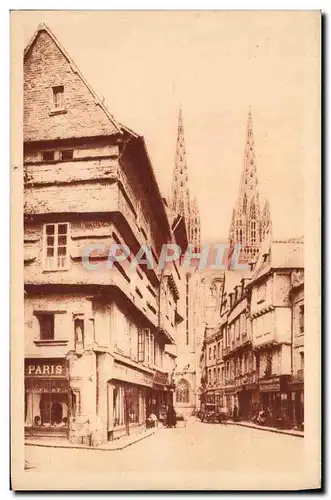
(45, 270)
(60, 111)
(53, 342)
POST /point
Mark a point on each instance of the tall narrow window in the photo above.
(56, 242)
(58, 101)
(46, 324)
(253, 232)
(302, 318)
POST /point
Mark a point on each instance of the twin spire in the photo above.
(249, 225)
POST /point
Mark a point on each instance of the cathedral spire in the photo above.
(180, 186)
(247, 224)
(181, 202)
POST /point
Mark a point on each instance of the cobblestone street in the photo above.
(199, 448)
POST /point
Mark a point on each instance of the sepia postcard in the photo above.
(165, 235)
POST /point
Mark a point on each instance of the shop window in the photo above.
(56, 246)
(46, 325)
(47, 409)
(183, 392)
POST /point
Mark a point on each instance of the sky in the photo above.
(214, 65)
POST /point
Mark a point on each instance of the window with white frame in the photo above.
(56, 246)
(149, 346)
(141, 345)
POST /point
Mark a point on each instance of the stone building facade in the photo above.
(96, 327)
(254, 358)
(297, 299)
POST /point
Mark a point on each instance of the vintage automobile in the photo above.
(210, 416)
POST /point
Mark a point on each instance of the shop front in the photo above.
(248, 398)
(297, 403)
(48, 398)
(127, 400)
(219, 400)
(210, 401)
(160, 396)
(230, 399)
(275, 395)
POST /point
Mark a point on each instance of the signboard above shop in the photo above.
(46, 368)
(160, 378)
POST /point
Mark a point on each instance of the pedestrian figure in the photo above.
(235, 413)
(171, 417)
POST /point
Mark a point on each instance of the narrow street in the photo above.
(198, 447)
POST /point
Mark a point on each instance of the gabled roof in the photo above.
(233, 278)
(43, 27)
(288, 254)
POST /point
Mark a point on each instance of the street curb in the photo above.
(91, 448)
(266, 429)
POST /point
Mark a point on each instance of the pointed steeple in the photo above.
(246, 224)
(181, 202)
(180, 185)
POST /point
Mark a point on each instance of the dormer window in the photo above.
(58, 102)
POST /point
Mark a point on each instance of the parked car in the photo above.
(210, 416)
